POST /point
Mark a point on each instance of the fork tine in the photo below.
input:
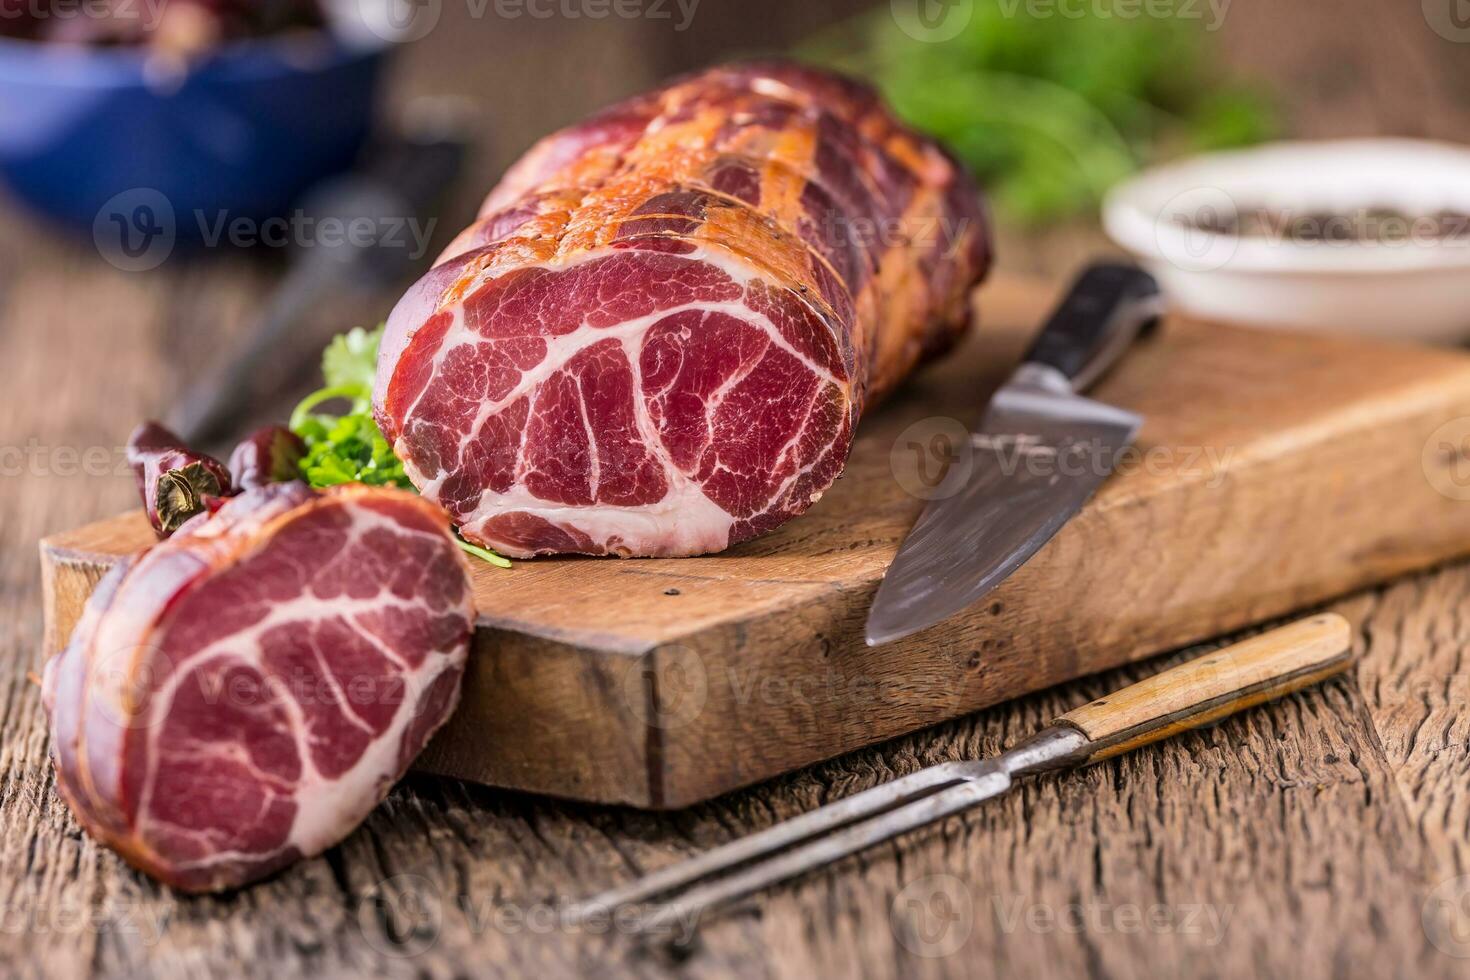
(819, 821)
(1212, 687)
(824, 850)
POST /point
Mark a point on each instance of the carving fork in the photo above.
(1192, 694)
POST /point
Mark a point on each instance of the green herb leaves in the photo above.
(348, 447)
(352, 359)
(1051, 107)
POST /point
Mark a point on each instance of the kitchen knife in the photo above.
(1037, 457)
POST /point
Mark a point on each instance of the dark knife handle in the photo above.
(1104, 310)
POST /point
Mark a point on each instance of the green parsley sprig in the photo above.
(1051, 109)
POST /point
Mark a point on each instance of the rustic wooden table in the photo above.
(1326, 835)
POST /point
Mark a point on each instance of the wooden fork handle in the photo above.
(1214, 686)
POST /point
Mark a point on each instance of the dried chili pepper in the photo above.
(268, 455)
(174, 481)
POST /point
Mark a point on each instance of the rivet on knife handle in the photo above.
(1214, 686)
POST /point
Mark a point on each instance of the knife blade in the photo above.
(1040, 452)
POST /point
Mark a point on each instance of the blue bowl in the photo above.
(241, 134)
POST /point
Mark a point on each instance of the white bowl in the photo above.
(1417, 288)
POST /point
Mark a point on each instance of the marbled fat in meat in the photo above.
(660, 333)
(243, 693)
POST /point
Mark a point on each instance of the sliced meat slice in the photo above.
(242, 694)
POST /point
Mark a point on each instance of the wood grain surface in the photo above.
(1323, 836)
(1273, 470)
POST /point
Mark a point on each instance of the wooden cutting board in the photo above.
(1275, 471)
